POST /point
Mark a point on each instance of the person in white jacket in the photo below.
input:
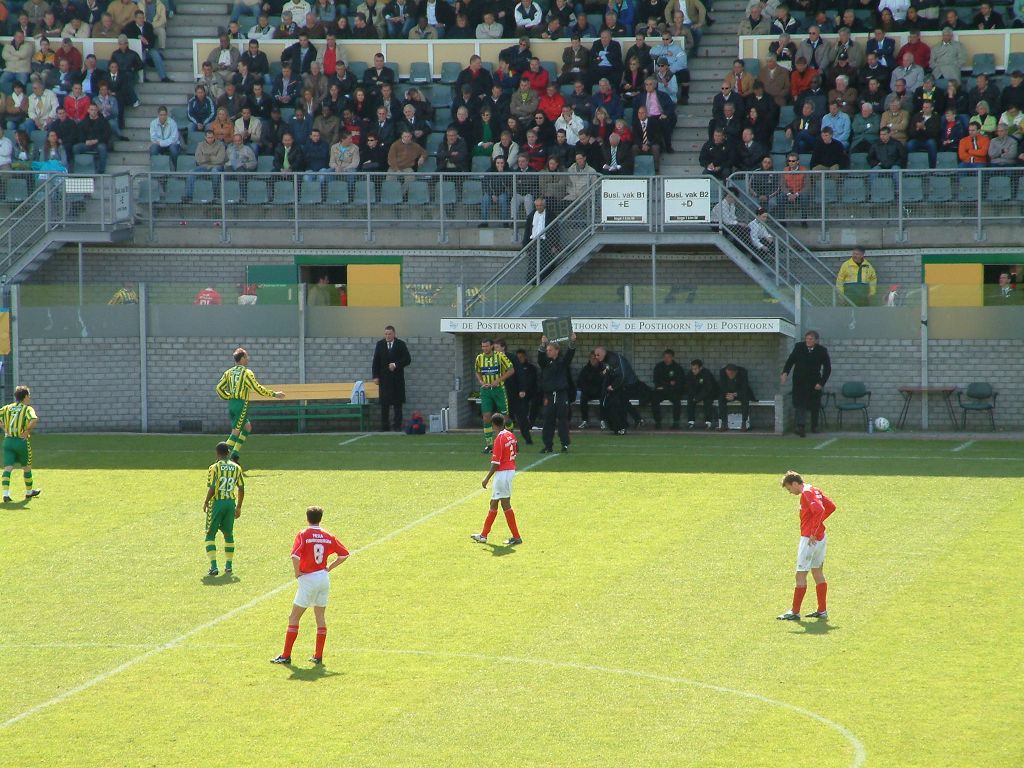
(6, 151)
(42, 108)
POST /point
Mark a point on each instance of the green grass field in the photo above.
(635, 626)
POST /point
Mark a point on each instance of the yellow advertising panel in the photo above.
(374, 285)
(955, 285)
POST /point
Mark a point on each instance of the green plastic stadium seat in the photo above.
(999, 190)
(174, 193)
(311, 193)
(256, 193)
(946, 160)
(856, 397)
(481, 164)
(391, 193)
(284, 192)
(232, 192)
(855, 189)
(859, 161)
(913, 189)
(85, 164)
(643, 165)
(753, 66)
(446, 192)
(419, 72)
(16, 190)
(983, 64)
(160, 163)
(265, 163)
(419, 193)
(148, 191)
(917, 161)
(185, 163)
(981, 398)
(364, 193)
(940, 188)
(450, 71)
(472, 192)
(337, 192)
(967, 188)
(358, 68)
(882, 189)
(1015, 62)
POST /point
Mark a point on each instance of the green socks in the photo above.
(28, 480)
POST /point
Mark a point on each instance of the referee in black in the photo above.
(555, 386)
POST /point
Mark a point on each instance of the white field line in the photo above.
(135, 660)
(353, 439)
(857, 746)
(963, 446)
(825, 444)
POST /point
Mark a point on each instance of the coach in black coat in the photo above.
(734, 386)
(390, 357)
(811, 368)
(556, 386)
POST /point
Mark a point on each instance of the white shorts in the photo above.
(313, 589)
(503, 484)
(808, 557)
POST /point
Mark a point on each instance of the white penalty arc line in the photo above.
(859, 750)
(963, 446)
(825, 444)
(136, 660)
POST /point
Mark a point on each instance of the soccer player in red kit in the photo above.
(815, 507)
(503, 469)
(310, 551)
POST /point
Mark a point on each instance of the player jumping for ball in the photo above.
(815, 507)
(503, 469)
(310, 551)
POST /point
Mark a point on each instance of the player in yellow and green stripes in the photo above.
(19, 419)
(235, 386)
(491, 369)
(224, 484)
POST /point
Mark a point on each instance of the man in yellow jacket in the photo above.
(857, 279)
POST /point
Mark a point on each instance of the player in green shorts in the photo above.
(19, 419)
(235, 386)
(224, 485)
(491, 368)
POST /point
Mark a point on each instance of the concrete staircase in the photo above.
(717, 51)
(195, 18)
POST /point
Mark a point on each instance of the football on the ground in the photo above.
(882, 424)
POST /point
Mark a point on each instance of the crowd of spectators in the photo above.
(72, 105)
(828, 102)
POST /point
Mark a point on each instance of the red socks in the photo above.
(822, 589)
(321, 637)
(798, 597)
(510, 518)
(289, 639)
(489, 521)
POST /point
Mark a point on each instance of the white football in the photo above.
(882, 424)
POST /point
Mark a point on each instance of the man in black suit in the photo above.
(556, 384)
(378, 74)
(390, 358)
(811, 368)
(647, 138)
(519, 388)
(617, 157)
(734, 386)
(700, 388)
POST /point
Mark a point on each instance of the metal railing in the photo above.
(323, 199)
(901, 199)
(45, 203)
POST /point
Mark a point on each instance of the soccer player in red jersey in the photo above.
(815, 507)
(503, 469)
(310, 551)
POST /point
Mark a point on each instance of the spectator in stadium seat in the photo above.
(164, 138)
(716, 156)
(983, 90)
(1002, 150)
(76, 103)
(986, 18)
(924, 132)
(109, 108)
(537, 76)
(749, 152)
(210, 81)
(864, 129)
(378, 74)
(583, 27)
(838, 122)
(734, 386)
(908, 71)
(1013, 94)
(525, 186)
(317, 156)
(453, 155)
(678, 64)
(288, 157)
(872, 69)
(238, 157)
(260, 103)
(61, 86)
(984, 119)
(804, 129)
(373, 157)
(1013, 119)
(857, 279)
(17, 57)
(949, 57)
(845, 96)
(344, 155)
(973, 150)
(905, 97)
(761, 125)
(298, 9)
(828, 154)
(211, 155)
(692, 13)
(489, 28)
(256, 63)
(328, 124)
(816, 95)
(314, 28)
(641, 51)
(528, 18)
(94, 137)
(262, 29)
(801, 79)
(246, 8)
(288, 29)
(896, 119)
(244, 80)
(552, 103)
(224, 59)
(796, 197)
(440, 15)
(920, 50)
(200, 110)
(497, 190)
(775, 80)
(951, 130)
(570, 124)
(606, 59)
(612, 24)
(883, 47)
(575, 61)
(476, 77)
(816, 50)
(739, 80)
(755, 22)
(223, 127)
(617, 156)
(524, 103)
(404, 156)
(286, 87)
(299, 55)
(232, 100)
(421, 30)
(507, 148)
(249, 127)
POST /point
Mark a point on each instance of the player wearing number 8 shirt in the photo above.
(310, 551)
(815, 507)
(224, 484)
(503, 469)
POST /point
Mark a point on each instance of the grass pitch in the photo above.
(635, 626)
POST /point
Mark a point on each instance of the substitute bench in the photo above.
(313, 402)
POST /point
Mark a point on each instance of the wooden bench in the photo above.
(304, 402)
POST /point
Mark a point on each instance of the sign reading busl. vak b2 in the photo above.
(687, 201)
(624, 201)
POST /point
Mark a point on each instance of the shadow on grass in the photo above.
(815, 627)
(500, 550)
(219, 581)
(312, 674)
(21, 504)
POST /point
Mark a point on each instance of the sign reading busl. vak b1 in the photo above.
(624, 201)
(687, 201)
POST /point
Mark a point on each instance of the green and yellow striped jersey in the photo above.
(491, 367)
(124, 296)
(225, 478)
(16, 417)
(238, 383)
